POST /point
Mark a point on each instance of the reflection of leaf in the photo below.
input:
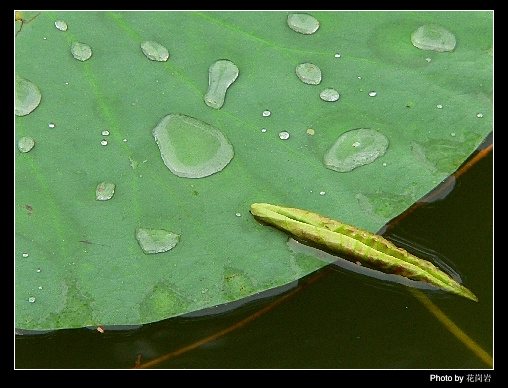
(120, 90)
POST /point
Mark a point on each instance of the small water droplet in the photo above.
(322, 192)
(263, 130)
(155, 51)
(221, 75)
(104, 142)
(284, 135)
(81, 51)
(359, 77)
(104, 191)
(303, 23)
(27, 96)
(156, 240)
(337, 55)
(329, 94)
(433, 37)
(238, 214)
(309, 73)
(105, 133)
(439, 106)
(191, 148)
(266, 113)
(61, 25)
(479, 115)
(25, 255)
(355, 148)
(26, 143)
(372, 94)
(38, 270)
(31, 299)
(51, 125)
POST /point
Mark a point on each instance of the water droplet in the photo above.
(479, 115)
(61, 25)
(104, 142)
(355, 148)
(266, 113)
(284, 135)
(263, 130)
(51, 125)
(104, 191)
(433, 37)
(439, 106)
(238, 214)
(329, 94)
(221, 75)
(191, 148)
(38, 270)
(322, 192)
(105, 133)
(25, 255)
(372, 94)
(81, 51)
(309, 73)
(31, 299)
(27, 96)
(26, 143)
(156, 240)
(337, 55)
(155, 51)
(303, 23)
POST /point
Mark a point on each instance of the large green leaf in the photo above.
(78, 259)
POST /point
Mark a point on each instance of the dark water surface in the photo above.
(333, 319)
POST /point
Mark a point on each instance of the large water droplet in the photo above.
(308, 73)
(221, 75)
(61, 25)
(26, 143)
(155, 51)
(284, 135)
(105, 191)
(303, 23)
(355, 148)
(156, 240)
(433, 37)
(81, 51)
(27, 96)
(329, 94)
(191, 148)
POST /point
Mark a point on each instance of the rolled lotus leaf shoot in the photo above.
(363, 246)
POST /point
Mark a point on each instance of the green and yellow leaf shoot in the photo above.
(363, 246)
